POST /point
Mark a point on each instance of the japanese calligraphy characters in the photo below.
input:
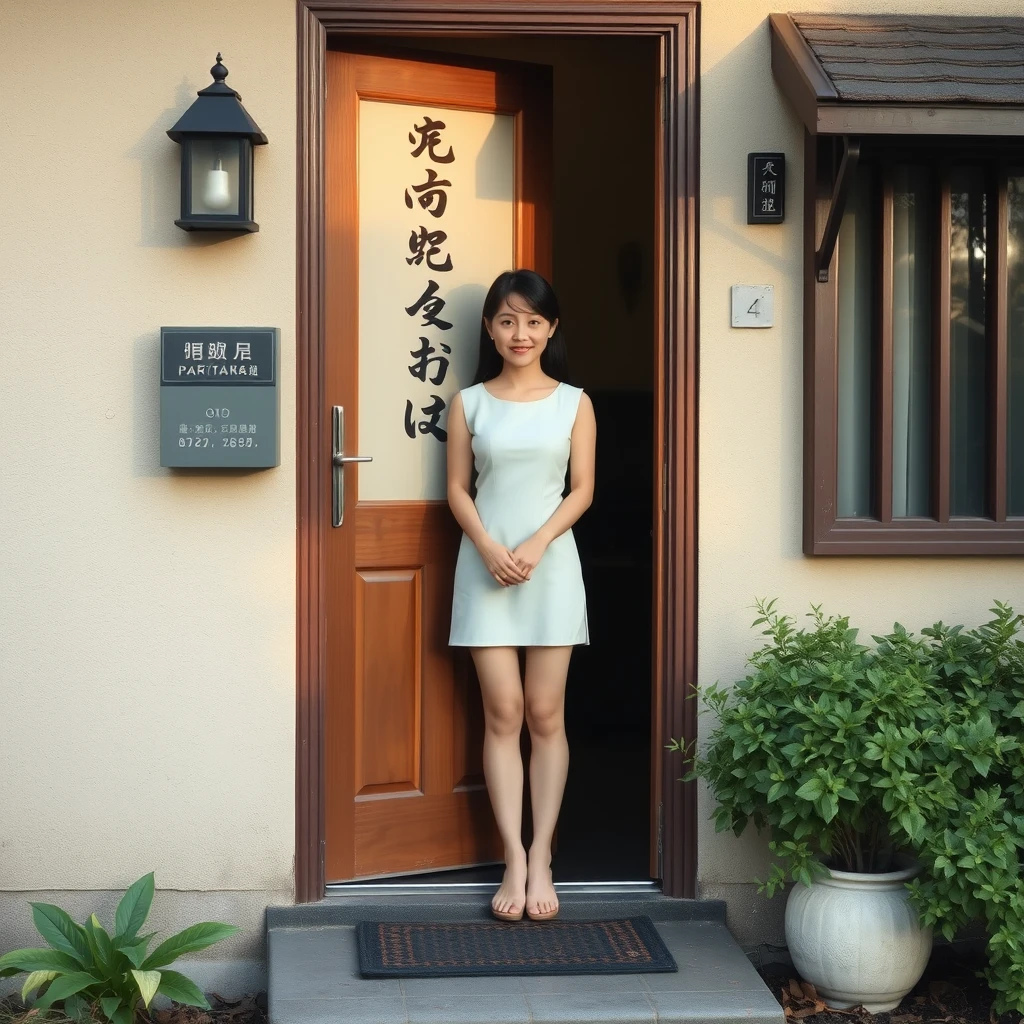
(436, 205)
(429, 137)
(426, 248)
(433, 197)
(766, 188)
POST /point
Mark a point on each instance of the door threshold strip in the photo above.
(353, 889)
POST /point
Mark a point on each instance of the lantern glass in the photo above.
(215, 174)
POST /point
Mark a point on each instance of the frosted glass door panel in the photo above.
(436, 226)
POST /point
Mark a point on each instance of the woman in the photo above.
(518, 582)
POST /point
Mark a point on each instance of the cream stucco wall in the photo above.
(750, 415)
(147, 637)
(147, 658)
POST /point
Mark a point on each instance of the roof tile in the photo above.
(919, 59)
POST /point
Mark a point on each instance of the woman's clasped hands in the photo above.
(510, 568)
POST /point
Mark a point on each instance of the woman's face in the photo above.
(520, 335)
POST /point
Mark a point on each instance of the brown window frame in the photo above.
(824, 531)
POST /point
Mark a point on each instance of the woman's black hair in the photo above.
(540, 298)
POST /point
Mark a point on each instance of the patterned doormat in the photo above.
(402, 949)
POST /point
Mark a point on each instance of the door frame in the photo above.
(676, 24)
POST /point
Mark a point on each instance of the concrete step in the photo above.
(475, 906)
(314, 976)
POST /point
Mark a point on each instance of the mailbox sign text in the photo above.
(218, 397)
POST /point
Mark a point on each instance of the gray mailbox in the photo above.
(219, 401)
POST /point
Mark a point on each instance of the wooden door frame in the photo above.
(676, 24)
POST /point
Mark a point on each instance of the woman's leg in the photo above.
(497, 668)
(546, 669)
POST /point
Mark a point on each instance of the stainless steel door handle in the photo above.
(340, 460)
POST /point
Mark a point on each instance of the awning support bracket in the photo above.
(840, 193)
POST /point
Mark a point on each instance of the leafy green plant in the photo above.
(846, 754)
(970, 793)
(92, 972)
(809, 744)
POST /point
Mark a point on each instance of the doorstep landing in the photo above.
(354, 906)
(314, 979)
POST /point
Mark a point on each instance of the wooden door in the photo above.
(437, 178)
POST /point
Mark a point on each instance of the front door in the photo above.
(437, 179)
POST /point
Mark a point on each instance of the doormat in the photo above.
(402, 949)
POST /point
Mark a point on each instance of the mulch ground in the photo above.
(247, 1010)
(951, 992)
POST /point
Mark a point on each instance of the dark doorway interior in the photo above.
(605, 91)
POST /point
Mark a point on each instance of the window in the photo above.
(914, 348)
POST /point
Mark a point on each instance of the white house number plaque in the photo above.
(753, 305)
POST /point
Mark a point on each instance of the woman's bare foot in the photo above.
(510, 899)
(541, 899)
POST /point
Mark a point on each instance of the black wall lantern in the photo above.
(217, 135)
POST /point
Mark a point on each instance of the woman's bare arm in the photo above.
(583, 453)
(496, 557)
(460, 470)
(583, 449)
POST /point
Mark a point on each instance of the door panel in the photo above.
(388, 680)
(413, 239)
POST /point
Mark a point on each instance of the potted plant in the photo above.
(806, 747)
(869, 767)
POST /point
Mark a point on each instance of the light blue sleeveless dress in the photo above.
(521, 451)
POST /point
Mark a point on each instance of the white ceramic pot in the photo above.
(857, 939)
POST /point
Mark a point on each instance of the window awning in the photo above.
(901, 75)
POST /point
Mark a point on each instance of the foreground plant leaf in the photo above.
(34, 980)
(61, 932)
(110, 1005)
(148, 982)
(19, 960)
(133, 909)
(61, 988)
(179, 988)
(190, 940)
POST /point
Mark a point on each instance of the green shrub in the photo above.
(92, 972)
(847, 754)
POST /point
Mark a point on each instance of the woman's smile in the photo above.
(520, 333)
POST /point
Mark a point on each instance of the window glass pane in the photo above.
(1015, 311)
(856, 287)
(968, 440)
(911, 342)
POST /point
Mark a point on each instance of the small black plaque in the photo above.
(766, 188)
